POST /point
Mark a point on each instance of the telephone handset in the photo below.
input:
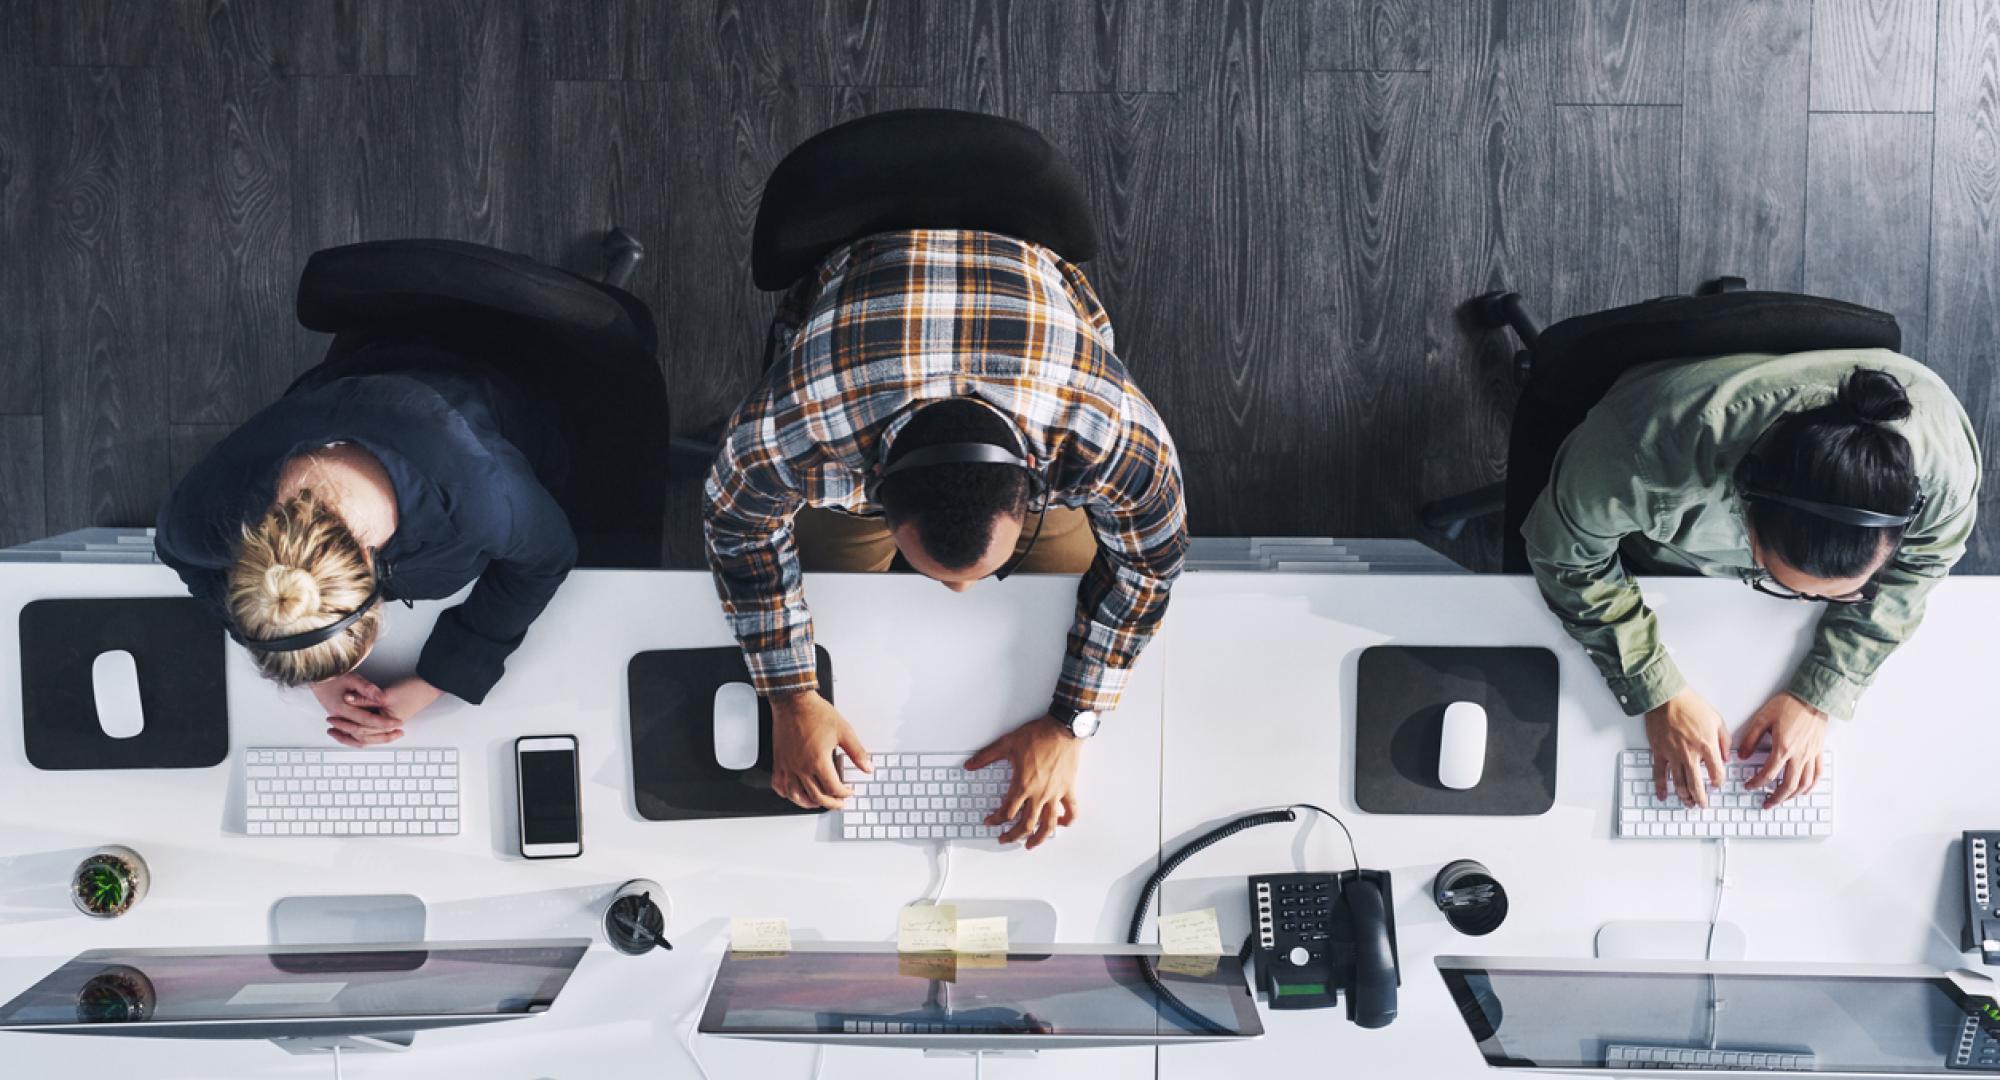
(1312, 935)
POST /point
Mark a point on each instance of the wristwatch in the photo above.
(1080, 723)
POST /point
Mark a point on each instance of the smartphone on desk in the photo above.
(549, 796)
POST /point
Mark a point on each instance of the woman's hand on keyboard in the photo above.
(805, 731)
(1688, 738)
(1043, 793)
(1798, 734)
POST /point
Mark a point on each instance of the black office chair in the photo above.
(916, 169)
(590, 348)
(1569, 367)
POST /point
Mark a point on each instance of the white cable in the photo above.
(819, 1060)
(336, 1061)
(1721, 882)
(944, 874)
(694, 1021)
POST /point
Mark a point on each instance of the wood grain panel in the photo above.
(100, 33)
(1964, 337)
(1874, 55)
(1365, 237)
(1398, 35)
(1241, 197)
(344, 37)
(1622, 52)
(1333, 35)
(1868, 215)
(621, 160)
(229, 324)
(105, 379)
(611, 39)
(23, 501)
(1126, 148)
(1120, 44)
(24, 133)
(1493, 134)
(993, 56)
(867, 43)
(1743, 160)
(1618, 206)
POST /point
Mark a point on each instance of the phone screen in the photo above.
(548, 797)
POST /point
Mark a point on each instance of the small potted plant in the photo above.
(108, 882)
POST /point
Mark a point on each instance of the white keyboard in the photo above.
(922, 797)
(288, 792)
(1734, 811)
(1639, 1058)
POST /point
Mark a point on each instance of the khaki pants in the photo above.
(832, 540)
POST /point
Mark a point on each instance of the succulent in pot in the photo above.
(109, 881)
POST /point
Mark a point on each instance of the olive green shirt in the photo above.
(1652, 468)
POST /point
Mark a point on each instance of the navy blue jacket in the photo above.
(472, 461)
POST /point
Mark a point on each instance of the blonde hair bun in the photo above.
(290, 593)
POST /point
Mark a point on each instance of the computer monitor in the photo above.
(1725, 1018)
(297, 992)
(1050, 997)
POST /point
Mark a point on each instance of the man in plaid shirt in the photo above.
(925, 338)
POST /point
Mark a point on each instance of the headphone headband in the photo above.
(1845, 515)
(309, 638)
(955, 454)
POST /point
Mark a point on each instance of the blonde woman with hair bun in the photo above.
(394, 471)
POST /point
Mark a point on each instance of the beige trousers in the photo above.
(832, 540)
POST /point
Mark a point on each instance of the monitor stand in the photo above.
(1650, 939)
(393, 919)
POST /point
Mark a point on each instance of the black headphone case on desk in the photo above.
(177, 647)
(1400, 696)
(675, 776)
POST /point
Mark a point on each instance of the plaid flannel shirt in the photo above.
(899, 320)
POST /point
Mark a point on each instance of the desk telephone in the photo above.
(1982, 895)
(1313, 936)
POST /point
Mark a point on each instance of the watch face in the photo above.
(1083, 725)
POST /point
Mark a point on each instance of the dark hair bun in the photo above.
(1873, 397)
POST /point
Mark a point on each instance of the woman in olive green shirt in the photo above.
(1740, 466)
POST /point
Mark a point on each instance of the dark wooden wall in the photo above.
(1295, 195)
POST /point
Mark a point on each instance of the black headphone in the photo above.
(974, 453)
(310, 638)
(1835, 512)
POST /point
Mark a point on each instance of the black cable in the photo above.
(1216, 836)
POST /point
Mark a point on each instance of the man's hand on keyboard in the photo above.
(1798, 734)
(1688, 739)
(805, 731)
(354, 712)
(1043, 793)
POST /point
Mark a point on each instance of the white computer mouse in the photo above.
(114, 681)
(1462, 745)
(736, 725)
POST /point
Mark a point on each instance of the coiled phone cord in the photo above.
(1216, 836)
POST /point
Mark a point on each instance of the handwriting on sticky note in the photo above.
(929, 966)
(1196, 967)
(1191, 933)
(927, 928)
(988, 935)
(760, 935)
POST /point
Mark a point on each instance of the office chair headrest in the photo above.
(1577, 360)
(917, 169)
(400, 283)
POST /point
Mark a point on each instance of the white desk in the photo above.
(1260, 705)
(914, 666)
(1252, 685)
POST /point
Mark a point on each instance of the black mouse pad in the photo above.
(177, 647)
(1401, 693)
(675, 776)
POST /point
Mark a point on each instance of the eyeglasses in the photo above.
(1769, 586)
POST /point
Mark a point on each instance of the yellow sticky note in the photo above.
(927, 928)
(1191, 933)
(930, 966)
(970, 960)
(1198, 967)
(760, 935)
(988, 935)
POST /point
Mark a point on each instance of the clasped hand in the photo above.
(361, 714)
(1691, 746)
(807, 730)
